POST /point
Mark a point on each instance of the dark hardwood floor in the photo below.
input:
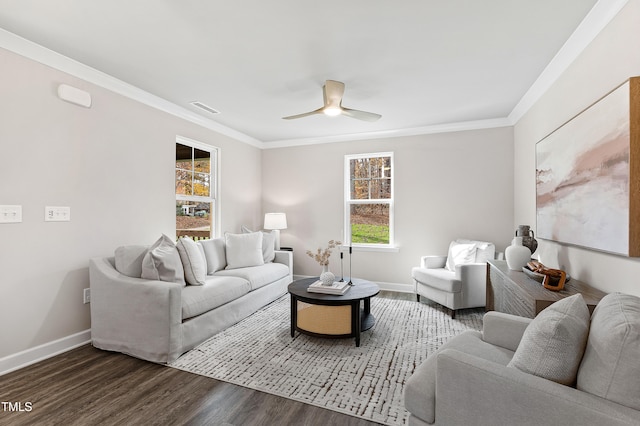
(87, 386)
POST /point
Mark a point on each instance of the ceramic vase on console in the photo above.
(327, 277)
(528, 239)
(517, 255)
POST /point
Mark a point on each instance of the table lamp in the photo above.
(275, 222)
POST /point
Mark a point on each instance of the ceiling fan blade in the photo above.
(360, 115)
(333, 92)
(306, 114)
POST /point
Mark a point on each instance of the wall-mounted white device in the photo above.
(74, 95)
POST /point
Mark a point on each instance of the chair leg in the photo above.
(453, 314)
(417, 297)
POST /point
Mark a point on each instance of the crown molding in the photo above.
(414, 131)
(598, 17)
(38, 53)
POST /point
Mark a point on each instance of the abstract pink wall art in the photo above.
(585, 181)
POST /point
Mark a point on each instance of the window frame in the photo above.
(348, 202)
(214, 179)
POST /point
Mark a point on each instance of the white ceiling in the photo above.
(419, 63)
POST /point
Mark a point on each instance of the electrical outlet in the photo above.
(86, 296)
(57, 214)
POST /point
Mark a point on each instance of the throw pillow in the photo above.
(459, 254)
(193, 261)
(129, 260)
(214, 253)
(162, 262)
(553, 344)
(610, 368)
(244, 250)
(268, 243)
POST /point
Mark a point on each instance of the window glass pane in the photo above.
(184, 157)
(360, 189)
(369, 223)
(381, 189)
(184, 185)
(193, 219)
(202, 161)
(201, 184)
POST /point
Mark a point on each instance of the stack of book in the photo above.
(335, 288)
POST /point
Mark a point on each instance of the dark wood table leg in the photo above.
(356, 321)
(294, 314)
(367, 305)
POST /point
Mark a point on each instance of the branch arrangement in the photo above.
(322, 256)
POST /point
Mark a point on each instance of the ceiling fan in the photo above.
(333, 91)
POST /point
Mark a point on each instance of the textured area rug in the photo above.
(365, 382)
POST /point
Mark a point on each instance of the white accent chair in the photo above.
(458, 280)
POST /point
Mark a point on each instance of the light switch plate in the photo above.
(57, 214)
(10, 214)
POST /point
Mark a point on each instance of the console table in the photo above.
(513, 292)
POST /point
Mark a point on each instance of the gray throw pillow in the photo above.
(214, 253)
(129, 260)
(268, 243)
(193, 261)
(243, 250)
(162, 262)
(610, 367)
(553, 344)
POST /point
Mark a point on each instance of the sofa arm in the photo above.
(475, 391)
(286, 258)
(504, 330)
(133, 315)
(433, 262)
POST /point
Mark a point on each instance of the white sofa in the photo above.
(160, 319)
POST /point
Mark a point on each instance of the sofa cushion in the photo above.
(162, 262)
(610, 367)
(459, 254)
(268, 243)
(258, 276)
(243, 250)
(484, 250)
(442, 279)
(193, 260)
(420, 388)
(129, 260)
(215, 292)
(553, 344)
(214, 253)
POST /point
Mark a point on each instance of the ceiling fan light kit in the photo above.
(333, 91)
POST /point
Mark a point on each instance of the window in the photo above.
(196, 184)
(368, 207)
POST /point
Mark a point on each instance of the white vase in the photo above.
(327, 277)
(517, 255)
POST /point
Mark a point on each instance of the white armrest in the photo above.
(286, 258)
(133, 315)
(504, 330)
(433, 262)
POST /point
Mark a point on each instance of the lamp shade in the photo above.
(275, 221)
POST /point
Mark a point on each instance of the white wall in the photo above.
(447, 186)
(113, 164)
(609, 60)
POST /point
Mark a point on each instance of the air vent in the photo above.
(204, 107)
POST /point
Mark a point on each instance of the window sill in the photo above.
(384, 249)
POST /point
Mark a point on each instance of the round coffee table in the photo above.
(329, 315)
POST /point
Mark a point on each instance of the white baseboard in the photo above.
(397, 287)
(47, 350)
